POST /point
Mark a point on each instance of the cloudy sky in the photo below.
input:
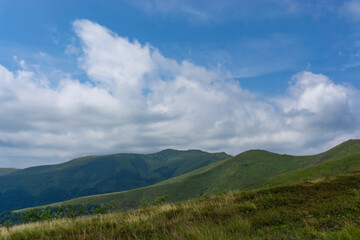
(95, 77)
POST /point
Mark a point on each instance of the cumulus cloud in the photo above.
(317, 102)
(319, 109)
(137, 100)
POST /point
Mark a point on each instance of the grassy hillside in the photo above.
(4, 171)
(96, 174)
(324, 210)
(242, 171)
(319, 171)
(341, 150)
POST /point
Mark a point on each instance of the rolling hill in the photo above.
(317, 172)
(325, 210)
(4, 171)
(96, 174)
(242, 171)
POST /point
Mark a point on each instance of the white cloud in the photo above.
(112, 60)
(320, 111)
(137, 100)
(315, 101)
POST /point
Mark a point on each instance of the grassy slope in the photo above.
(4, 171)
(324, 210)
(341, 150)
(242, 171)
(235, 173)
(319, 171)
(96, 174)
(340, 159)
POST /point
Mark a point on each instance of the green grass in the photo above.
(327, 209)
(319, 171)
(250, 169)
(341, 150)
(96, 174)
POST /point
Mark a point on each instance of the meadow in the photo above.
(324, 209)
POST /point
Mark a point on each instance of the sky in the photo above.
(98, 77)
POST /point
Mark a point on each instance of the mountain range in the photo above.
(132, 179)
(20, 188)
(251, 169)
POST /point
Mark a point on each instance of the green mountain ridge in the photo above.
(96, 174)
(324, 170)
(250, 169)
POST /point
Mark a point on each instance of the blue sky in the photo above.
(96, 77)
(263, 42)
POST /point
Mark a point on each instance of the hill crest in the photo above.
(239, 172)
(96, 174)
